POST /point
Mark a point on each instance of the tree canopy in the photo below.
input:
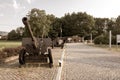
(39, 22)
(80, 23)
(77, 24)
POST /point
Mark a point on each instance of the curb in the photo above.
(58, 77)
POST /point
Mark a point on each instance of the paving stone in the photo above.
(82, 62)
(11, 71)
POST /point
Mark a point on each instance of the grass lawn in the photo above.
(9, 44)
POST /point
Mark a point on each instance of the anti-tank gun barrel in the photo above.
(27, 25)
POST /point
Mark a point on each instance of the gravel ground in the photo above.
(11, 71)
(82, 62)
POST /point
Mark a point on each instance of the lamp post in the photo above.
(110, 40)
(61, 32)
(91, 37)
(105, 26)
(110, 34)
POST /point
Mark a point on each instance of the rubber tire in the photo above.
(22, 57)
(50, 58)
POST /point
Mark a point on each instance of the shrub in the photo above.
(101, 39)
(113, 39)
(104, 39)
(7, 52)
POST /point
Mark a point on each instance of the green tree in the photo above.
(112, 27)
(20, 30)
(77, 24)
(116, 29)
(101, 26)
(12, 35)
(55, 29)
(39, 22)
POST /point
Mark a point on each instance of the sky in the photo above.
(12, 11)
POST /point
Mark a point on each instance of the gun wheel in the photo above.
(50, 58)
(22, 57)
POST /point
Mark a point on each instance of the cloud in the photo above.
(1, 15)
(23, 7)
(5, 5)
(29, 1)
(15, 5)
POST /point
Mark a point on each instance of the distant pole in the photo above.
(105, 26)
(61, 32)
(110, 39)
(91, 37)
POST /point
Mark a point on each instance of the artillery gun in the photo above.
(35, 49)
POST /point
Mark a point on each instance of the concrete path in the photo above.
(82, 62)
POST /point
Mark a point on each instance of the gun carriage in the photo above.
(35, 49)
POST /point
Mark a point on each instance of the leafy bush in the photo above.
(101, 40)
(113, 39)
(7, 52)
(13, 35)
(104, 39)
(2, 55)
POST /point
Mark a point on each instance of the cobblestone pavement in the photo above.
(82, 62)
(11, 71)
